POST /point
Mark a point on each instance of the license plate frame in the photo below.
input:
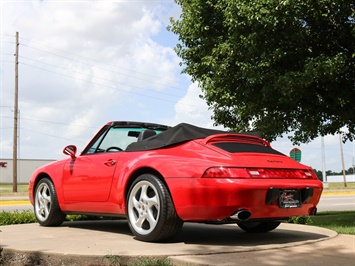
(290, 198)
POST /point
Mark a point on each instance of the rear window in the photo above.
(234, 147)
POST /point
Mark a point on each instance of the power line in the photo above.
(112, 87)
(46, 121)
(46, 134)
(79, 59)
(98, 77)
(107, 69)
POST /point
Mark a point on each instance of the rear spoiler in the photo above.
(243, 138)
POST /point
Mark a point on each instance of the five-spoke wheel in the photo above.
(150, 210)
(46, 205)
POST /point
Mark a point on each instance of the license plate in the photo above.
(289, 198)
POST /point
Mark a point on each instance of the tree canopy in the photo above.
(275, 66)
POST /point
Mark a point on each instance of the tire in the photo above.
(258, 227)
(150, 210)
(46, 207)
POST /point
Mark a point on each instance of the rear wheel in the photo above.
(150, 210)
(258, 227)
(46, 207)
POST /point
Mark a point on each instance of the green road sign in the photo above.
(295, 154)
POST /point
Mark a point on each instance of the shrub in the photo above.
(25, 217)
(300, 220)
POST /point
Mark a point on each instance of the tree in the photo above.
(272, 66)
(319, 174)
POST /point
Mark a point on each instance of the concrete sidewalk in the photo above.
(111, 243)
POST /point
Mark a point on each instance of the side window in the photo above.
(115, 137)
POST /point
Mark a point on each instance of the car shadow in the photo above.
(205, 234)
(118, 226)
(232, 235)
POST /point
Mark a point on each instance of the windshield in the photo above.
(116, 139)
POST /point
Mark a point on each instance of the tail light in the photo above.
(267, 173)
(226, 172)
(281, 173)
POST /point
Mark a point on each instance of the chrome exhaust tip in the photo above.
(241, 215)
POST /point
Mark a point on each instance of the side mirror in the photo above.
(70, 150)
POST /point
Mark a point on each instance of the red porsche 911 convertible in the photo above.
(159, 177)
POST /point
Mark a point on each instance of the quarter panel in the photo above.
(55, 172)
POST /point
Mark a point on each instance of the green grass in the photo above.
(6, 188)
(24, 217)
(340, 185)
(342, 222)
(153, 262)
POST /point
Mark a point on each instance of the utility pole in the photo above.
(342, 160)
(14, 158)
(323, 161)
(353, 158)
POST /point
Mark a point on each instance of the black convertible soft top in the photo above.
(180, 133)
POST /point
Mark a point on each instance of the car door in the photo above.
(89, 177)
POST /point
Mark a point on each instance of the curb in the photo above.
(14, 202)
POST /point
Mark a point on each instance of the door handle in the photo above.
(110, 162)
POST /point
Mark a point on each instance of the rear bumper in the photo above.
(214, 199)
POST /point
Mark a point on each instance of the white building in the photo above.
(25, 168)
(340, 178)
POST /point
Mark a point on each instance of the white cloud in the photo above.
(312, 152)
(84, 63)
(193, 110)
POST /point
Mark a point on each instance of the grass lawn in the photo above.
(343, 222)
(340, 185)
(6, 189)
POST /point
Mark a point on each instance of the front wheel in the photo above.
(258, 227)
(46, 207)
(150, 210)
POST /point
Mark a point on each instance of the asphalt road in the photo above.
(337, 203)
(16, 207)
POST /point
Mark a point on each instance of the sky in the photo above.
(84, 63)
